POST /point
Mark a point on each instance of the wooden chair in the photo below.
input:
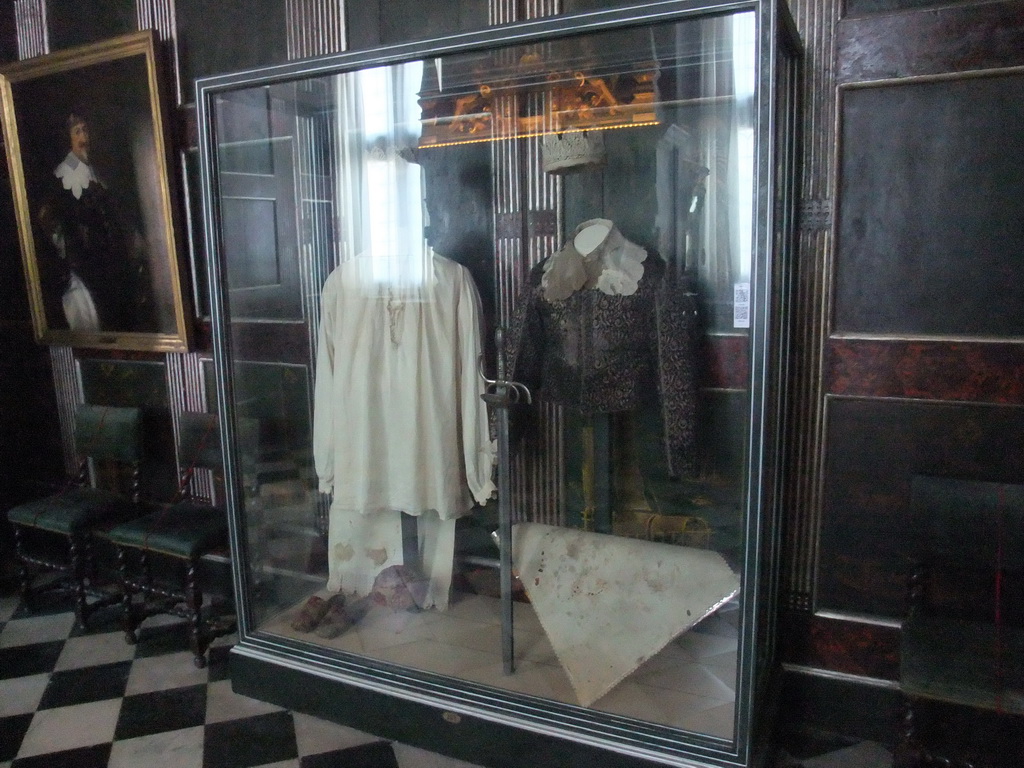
(79, 511)
(159, 554)
(962, 646)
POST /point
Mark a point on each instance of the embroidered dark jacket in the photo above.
(599, 353)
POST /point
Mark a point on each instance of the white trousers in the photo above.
(360, 546)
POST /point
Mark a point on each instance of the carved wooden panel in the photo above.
(815, 21)
(66, 384)
(30, 23)
(159, 15)
(315, 27)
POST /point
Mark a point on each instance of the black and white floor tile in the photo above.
(71, 699)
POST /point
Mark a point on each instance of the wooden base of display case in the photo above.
(472, 739)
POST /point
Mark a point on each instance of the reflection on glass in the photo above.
(381, 184)
(593, 197)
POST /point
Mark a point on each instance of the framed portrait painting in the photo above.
(87, 147)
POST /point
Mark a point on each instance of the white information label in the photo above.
(741, 305)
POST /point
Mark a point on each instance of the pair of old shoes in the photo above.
(329, 617)
(398, 588)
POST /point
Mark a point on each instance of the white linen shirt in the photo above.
(398, 421)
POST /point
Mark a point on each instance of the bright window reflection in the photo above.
(744, 33)
(381, 180)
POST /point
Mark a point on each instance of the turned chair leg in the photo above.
(146, 569)
(24, 575)
(91, 573)
(907, 753)
(910, 753)
(127, 608)
(195, 617)
(77, 570)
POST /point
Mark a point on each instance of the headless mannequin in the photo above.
(596, 513)
(588, 238)
(586, 242)
(610, 472)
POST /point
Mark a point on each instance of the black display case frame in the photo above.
(479, 723)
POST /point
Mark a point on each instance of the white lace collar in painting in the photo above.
(75, 175)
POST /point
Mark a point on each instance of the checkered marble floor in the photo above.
(73, 699)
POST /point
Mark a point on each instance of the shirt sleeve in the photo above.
(524, 341)
(479, 452)
(676, 329)
(525, 348)
(323, 392)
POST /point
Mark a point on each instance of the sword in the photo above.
(501, 394)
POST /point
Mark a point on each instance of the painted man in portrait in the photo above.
(96, 262)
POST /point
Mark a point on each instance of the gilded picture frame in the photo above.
(86, 136)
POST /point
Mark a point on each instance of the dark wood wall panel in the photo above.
(279, 341)
(76, 23)
(934, 370)
(228, 36)
(926, 245)
(31, 455)
(858, 7)
(377, 22)
(31, 448)
(922, 366)
(361, 24)
(837, 705)
(430, 18)
(929, 211)
(277, 396)
(874, 447)
(949, 39)
(8, 34)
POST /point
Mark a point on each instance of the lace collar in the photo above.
(75, 175)
(614, 267)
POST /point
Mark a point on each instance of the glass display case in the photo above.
(505, 317)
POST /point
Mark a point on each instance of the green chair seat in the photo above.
(72, 511)
(184, 530)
